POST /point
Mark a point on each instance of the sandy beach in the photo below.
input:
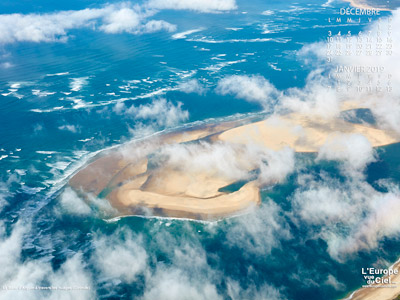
(134, 185)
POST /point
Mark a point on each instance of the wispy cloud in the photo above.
(259, 231)
(207, 6)
(53, 27)
(29, 273)
(353, 149)
(124, 258)
(251, 88)
(192, 86)
(349, 215)
(161, 112)
(112, 18)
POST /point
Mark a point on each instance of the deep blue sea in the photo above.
(60, 102)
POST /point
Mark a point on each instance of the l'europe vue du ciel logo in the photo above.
(381, 277)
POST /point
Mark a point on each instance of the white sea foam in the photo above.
(79, 103)
(3, 156)
(134, 81)
(40, 93)
(58, 74)
(86, 140)
(13, 92)
(274, 67)
(78, 83)
(20, 172)
(184, 34)
(267, 12)
(16, 85)
(80, 153)
(46, 152)
(219, 66)
(31, 190)
(59, 165)
(256, 40)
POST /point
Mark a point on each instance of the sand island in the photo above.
(137, 180)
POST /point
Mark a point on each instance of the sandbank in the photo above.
(302, 133)
(135, 185)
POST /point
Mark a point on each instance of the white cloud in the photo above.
(45, 27)
(132, 20)
(119, 108)
(192, 86)
(221, 158)
(354, 149)
(173, 284)
(53, 27)
(323, 205)
(207, 6)
(336, 284)
(112, 18)
(158, 25)
(161, 112)
(6, 65)
(230, 161)
(31, 273)
(251, 88)
(73, 274)
(349, 215)
(124, 259)
(188, 276)
(259, 292)
(259, 231)
(73, 204)
(121, 20)
(67, 127)
(315, 99)
(279, 164)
